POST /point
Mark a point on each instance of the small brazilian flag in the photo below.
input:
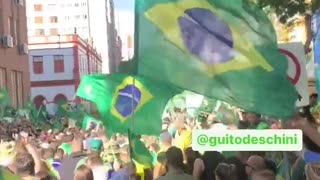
(222, 49)
(62, 108)
(121, 98)
(89, 121)
(43, 114)
(138, 151)
(65, 109)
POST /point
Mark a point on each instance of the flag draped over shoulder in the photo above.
(119, 96)
(138, 151)
(221, 49)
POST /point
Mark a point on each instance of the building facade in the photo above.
(14, 71)
(56, 64)
(89, 19)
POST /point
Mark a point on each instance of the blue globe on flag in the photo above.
(128, 100)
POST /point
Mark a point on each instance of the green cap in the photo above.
(96, 144)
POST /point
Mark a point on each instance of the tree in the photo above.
(288, 10)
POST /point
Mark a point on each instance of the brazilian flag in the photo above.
(31, 107)
(62, 108)
(121, 98)
(138, 151)
(89, 121)
(222, 49)
(43, 115)
(65, 109)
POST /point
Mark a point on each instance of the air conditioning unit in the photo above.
(23, 49)
(7, 42)
(20, 2)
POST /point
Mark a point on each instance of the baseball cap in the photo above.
(96, 144)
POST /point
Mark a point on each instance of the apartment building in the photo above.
(56, 64)
(14, 69)
(90, 19)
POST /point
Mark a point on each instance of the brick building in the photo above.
(14, 71)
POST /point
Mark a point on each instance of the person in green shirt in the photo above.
(255, 121)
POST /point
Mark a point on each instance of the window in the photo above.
(38, 7)
(85, 16)
(52, 7)
(13, 29)
(3, 77)
(58, 63)
(20, 89)
(54, 31)
(37, 64)
(15, 34)
(84, 4)
(13, 88)
(30, 32)
(38, 20)
(29, 20)
(92, 66)
(83, 64)
(9, 24)
(53, 19)
(77, 17)
(39, 32)
(76, 5)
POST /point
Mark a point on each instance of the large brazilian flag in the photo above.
(223, 49)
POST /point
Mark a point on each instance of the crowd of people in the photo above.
(74, 153)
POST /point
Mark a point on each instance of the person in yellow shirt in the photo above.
(183, 135)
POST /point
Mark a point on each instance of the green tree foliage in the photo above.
(287, 11)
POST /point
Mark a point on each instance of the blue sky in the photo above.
(124, 4)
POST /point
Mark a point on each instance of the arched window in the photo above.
(60, 97)
(39, 100)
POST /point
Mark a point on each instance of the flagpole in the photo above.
(132, 105)
(131, 129)
(39, 111)
(74, 98)
(136, 34)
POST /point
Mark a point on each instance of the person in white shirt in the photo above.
(96, 164)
